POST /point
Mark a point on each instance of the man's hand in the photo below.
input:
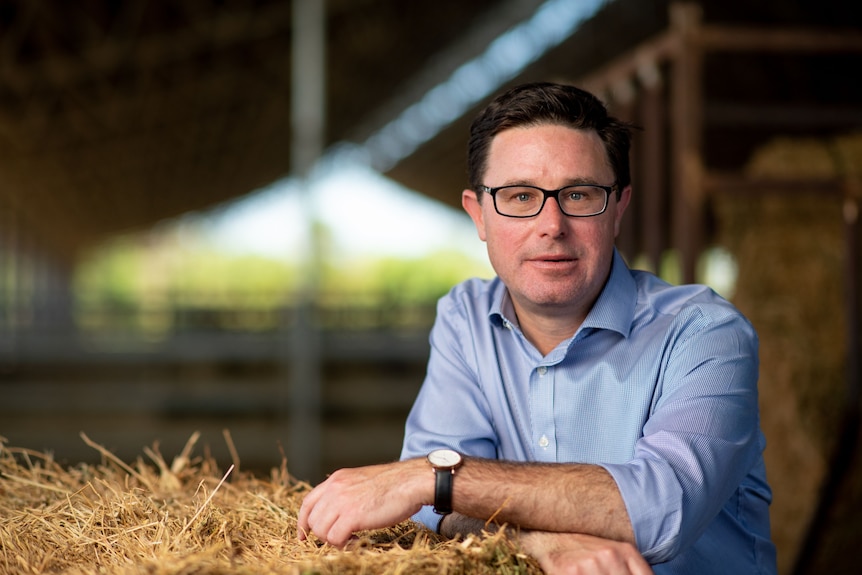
(371, 497)
(577, 554)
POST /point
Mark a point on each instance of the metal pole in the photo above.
(307, 121)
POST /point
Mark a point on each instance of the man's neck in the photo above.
(546, 328)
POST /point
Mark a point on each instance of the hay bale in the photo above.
(789, 250)
(193, 517)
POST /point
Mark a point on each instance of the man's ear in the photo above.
(473, 207)
(622, 204)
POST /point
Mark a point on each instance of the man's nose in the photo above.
(551, 217)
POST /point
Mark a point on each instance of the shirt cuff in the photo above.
(428, 518)
(653, 499)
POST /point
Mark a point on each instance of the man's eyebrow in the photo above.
(583, 182)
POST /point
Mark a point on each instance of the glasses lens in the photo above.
(582, 200)
(519, 201)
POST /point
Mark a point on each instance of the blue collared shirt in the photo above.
(658, 386)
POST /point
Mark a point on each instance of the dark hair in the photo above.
(548, 103)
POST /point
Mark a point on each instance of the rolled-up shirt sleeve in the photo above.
(701, 439)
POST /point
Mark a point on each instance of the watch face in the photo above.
(444, 458)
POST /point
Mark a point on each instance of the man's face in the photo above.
(551, 263)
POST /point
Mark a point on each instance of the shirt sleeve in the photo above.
(702, 437)
(450, 411)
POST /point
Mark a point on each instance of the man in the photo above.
(612, 418)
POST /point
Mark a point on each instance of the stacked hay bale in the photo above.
(790, 250)
(191, 517)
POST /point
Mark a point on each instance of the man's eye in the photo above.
(576, 196)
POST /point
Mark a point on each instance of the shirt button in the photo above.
(543, 370)
(543, 442)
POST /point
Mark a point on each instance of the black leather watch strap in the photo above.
(443, 491)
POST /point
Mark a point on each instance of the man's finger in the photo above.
(302, 523)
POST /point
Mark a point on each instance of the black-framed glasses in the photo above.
(578, 201)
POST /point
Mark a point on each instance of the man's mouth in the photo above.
(551, 258)
(553, 263)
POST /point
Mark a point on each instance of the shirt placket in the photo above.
(542, 413)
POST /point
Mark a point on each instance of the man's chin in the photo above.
(550, 299)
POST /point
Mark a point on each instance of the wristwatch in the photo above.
(444, 462)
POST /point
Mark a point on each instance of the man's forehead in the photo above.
(528, 132)
(511, 146)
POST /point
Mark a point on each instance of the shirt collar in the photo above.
(614, 309)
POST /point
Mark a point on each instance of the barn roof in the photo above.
(117, 114)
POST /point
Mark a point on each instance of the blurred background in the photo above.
(235, 217)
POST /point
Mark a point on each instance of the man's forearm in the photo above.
(546, 497)
(555, 498)
(559, 552)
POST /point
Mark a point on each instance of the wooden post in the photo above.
(652, 164)
(624, 108)
(853, 288)
(687, 133)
